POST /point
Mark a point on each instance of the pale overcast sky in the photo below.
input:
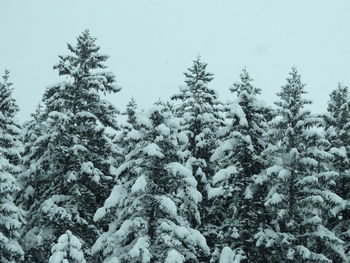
(151, 43)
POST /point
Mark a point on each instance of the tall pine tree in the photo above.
(200, 111)
(71, 160)
(237, 209)
(299, 199)
(337, 126)
(154, 196)
(11, 216)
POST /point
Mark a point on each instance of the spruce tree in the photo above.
(200, 111)
(337, 126)
(131, 109)
(72, 159)
(11, 216)
(154, 196)
(299, 199)
(120, 138)
(237, 200)
(32, 130)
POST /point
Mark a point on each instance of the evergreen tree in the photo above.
(337, 126)
(67, 250)
(120, 139)
(150, 204)
(32, 129)
(299, 199)
(10, 141)
(131, 109)
(71, 160)
(11, 216)
(237, 200)
(200, 111)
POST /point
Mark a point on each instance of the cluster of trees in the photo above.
(192, 179)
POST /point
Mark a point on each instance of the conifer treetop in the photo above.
(131, 108)
(84, 60)
(198, 73)
(244, 85)
(8, 105)
(292, 93)
(339, 101)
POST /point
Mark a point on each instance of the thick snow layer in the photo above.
(178, 169)
(283, 174)
(335, 199)
(303, 251)
(139, 185)
(266, 236)
(153, 149)
(230, 256)
(143, 120)
(117, 196)
(51, 208)
(195, 195)
(215, 192)
(182, 137)
(87, 168)
(220, 151)
(185, 234)
(224, 174)
(341, 151)
(275, 198)
(174, 257)
(67, 249)
(311, 179)
(309, 161)
(237, 111)
(248, 194)
(140, 250)
(134, 135)
(167, 205)
(163, 130)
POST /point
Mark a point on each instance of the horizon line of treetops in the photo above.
(192, 179)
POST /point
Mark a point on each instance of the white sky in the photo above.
(151, 43)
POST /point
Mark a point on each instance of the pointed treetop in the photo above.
(83, 63)
(6, 76)
(131, 108)
(86, 57)
(292, 92)
(338, 97)
(85, 45)
(38, 112)
(198, 73)
(8, 105)
(245, 85)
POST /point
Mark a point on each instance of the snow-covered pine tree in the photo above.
(155, 193)
(10, 141)
(32, 130)
(237, 205)
(337, 126)
(299, 199)
(11, 216)
(72, 159)
(131, 109)
(67, 250)
(120, 138)
(200, 111)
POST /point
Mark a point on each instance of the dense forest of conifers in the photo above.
(192, 179)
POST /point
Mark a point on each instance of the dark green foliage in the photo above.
(73, 153)
(11, 216)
